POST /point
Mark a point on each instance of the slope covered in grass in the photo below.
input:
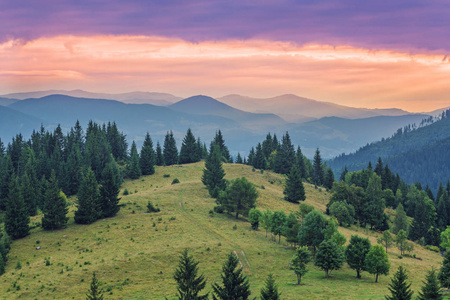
(135, 253)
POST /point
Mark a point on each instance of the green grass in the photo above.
(134, 259)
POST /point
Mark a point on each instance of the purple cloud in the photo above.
(401, 24)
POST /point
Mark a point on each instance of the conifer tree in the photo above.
(301, 163)
(318, 176)
(239, 159)
(431, 288)
(342, 177)
(73, 171)
(260, 160)
(399, 288)
(189, 283)
(6, 174)
(55, 206)
(401, 220)
(270, 290)
(189, 152)
(16, 215)
(29, 194)
(293, 189)
(170, 150)
(159, 155)
(374, 202)
(213, 174)
(285, 156)
(356, 253)
(133, 169)
(444, 272)
(147, 159)
(219, 141)
(88, 206)
(234, 283)
(109, 190)
(95, 292)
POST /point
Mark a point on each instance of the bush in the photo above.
(218, 209)
(151, 208)
(125, 192)
(432, 248)
(175, 181)
(166, 175)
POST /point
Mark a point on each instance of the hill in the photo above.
(131, 97)
(299, 109)
(12, 122)
(135, 253)
(417, 155)
(6, 101)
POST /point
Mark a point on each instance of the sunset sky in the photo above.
(358, 53)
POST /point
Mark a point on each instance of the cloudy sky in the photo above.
(358, 53)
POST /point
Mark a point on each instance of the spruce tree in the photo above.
(285, 157)
(6, 174)
(29, 194)
(189, 152)
(399, 288)
(147, 159)
(431, 288)
(16, 215)
(95, 292)
(400, 220)
(88, 206)
(318, 176)
(301, 163)
(189, 283)
(293, 190)
(109, 190)
(55, 206)
(444, 272)
(213, 174)
(239, 159)
(159, 155)
(133, 169)
(270, 290)
(170, 150)
(219, 141)
(235, 284)
(73, 171)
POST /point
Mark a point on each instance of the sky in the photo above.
(375, 54)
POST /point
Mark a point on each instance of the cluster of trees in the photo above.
(281, 157)
(234, 285)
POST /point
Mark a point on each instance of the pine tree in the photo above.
(213, 174)
(88, 206)
(170, 150)
(6, 174)
(189, 152)
(260, 160)
(444, 272)
(356, 253)
(219, 141)
(147, 159)
(293, 189)
(16, 215)
(431, 288)
(399, 288)
(189, 283)
(342, 177)
(270, 290)
(133, 169)
(401, 220)
(29, 194)
(235, 284)
(318, 175)
(159, 155)
(239, 159)
(109, 190)
(374, 202)
(73, 172)
(55, 206)
(285, 157)
(328, 179)
(95, 292)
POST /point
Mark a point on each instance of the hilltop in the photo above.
(135, 253)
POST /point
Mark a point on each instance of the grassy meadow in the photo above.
(135, 253)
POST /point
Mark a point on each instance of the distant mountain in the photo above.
(417, 155)
(204, 105)
(13, 122)
(132, 97)
(338, 135)
(438, 111)
(298, 109)
(7, 101)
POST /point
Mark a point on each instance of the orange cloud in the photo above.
(344, 75)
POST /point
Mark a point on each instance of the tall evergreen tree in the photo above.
(213, 174)
(400, 220)
(133, 169)
(270, 290)
(239, 159)
(29, 194)
(301, 163)
(235, 284)
(73, 171)
(318, 175)
(147, 159)
(109, 190)
(342, 177)
(159, 155)
(16, 215)
(189, 283)
(95, 292)
(444, 272)
(88, 206)
(285, 156)
(189, 152)
(374, 202)
(55, 206)
(98, 151)
(399, 288)
(170, 150)
(431, 288)
(6, 174)
(219, 141)
(293, 189)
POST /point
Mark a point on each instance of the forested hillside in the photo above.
(417, 154)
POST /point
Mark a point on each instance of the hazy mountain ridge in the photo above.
(13, 122)
(6, 101)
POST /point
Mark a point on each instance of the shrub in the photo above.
(125, 192)
(166, 175)
(175, 181)
(151, 208)
(218, 209)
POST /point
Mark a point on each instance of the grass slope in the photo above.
(135, 259)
